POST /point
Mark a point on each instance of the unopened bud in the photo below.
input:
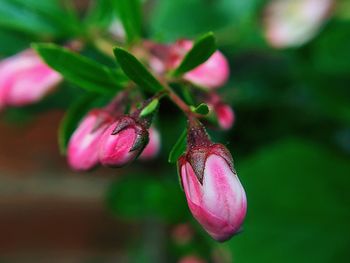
(152, 148)
(213, 191)
(211, 74)
(225, 116)
(191, 259)
(122, 142)
(82, 152)
(25, 79)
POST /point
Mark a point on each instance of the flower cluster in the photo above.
(118, 133)
(108, 137)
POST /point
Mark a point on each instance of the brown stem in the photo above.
(196, 134)
(180, 103)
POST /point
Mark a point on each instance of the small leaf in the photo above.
(129, 12)
(73, 116)
(202, 49)
(150, 108)
(202, 109)
(136, 71)
(179, 148)
(80, 70)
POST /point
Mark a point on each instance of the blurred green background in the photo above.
(290, 143)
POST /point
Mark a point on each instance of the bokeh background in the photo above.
(290, 142)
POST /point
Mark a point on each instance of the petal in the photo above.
(153, 145)
(25, 78)
(83, 146)
(224, 195)
(115, 149)
(211, 74)
(191, 185)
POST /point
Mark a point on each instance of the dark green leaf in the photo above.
(37, 17)
(12, 42)
(202, 109)
(81, 71)
(129, 12)
(150, 108)
(101, 13)
(331, 52)
(202, 49)
(179, 148)
(136, 71)
(74, 114)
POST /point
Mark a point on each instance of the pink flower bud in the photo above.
(25, 79)
(213, 191)
(211, 74)
(152, 148)
(225, 115)
(191, 259)
(182, 233)
(122, 142)
(290, 23)
(83, 146)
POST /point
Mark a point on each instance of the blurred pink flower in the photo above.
(191, 259)
(225, 115)
(152, 148)
(182, 233)
(290, 23)
(82, 152)
(211, 74)
(25, 79)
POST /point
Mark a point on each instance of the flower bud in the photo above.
(153, 146)
(213, 191)
(25, 79)
(225, 116)
(122, 142)
(211, 74)
(83, 146)
(191, 259)
(182, 234)
(291, 23)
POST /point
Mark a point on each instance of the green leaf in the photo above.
(100, 14)
(37, 17)
(150, 108)
(202, 109)
(331, 53)
(202, 49)
(129, 12)
(13, 42)
(136, 71)
(72, 117)
(179, 148)
(80, 70)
